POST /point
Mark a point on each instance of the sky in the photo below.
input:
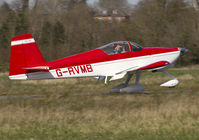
(89, 1)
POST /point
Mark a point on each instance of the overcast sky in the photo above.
(90, 1)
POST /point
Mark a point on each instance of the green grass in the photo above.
(66, 112)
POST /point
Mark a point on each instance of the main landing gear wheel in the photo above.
(125, 87)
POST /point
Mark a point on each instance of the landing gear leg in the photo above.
(128, 79)
(137, 79)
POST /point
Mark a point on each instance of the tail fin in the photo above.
(25, 57)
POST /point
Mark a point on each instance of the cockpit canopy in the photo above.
(135, 47)
(120, 47)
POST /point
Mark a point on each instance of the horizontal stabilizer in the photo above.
(40, 68)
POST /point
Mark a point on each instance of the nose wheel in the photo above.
(127, 88)
(171, 83)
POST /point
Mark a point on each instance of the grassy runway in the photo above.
(61, 109)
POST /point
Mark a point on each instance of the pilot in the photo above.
(118, 49)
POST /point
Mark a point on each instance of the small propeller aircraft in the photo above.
(109, 62)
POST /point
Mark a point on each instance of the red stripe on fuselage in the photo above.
(97, 56)
(155, 65)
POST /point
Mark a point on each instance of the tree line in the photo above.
(65, 27)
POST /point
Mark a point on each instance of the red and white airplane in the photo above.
(109, 62)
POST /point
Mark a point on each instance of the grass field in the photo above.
(83, 109)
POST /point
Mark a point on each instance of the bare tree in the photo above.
(25, 4)
(113, 4)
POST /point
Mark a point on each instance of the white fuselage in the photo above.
(108, 68)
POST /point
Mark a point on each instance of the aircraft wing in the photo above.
(118, 76)
(121, 74)
(154, 66)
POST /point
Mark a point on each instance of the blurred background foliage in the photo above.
(65, 27)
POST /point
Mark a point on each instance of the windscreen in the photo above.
(135, 47)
